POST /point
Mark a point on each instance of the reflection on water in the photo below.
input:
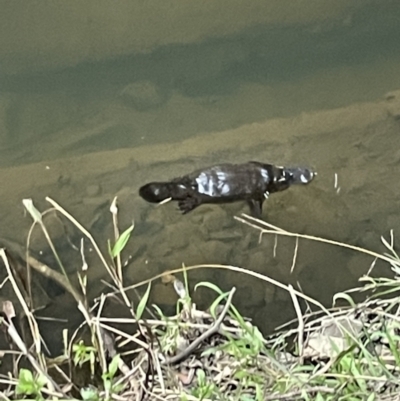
(256, 92)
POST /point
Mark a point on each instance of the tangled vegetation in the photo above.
(346, 353)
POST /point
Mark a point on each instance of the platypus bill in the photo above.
(252, 182)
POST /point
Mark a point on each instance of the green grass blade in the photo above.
(121, 242)
(143, 303)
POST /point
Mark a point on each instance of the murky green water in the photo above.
(92, 77)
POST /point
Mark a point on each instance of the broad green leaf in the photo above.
(121, 241)
(25, 388)
(25, 382)
(25, 376)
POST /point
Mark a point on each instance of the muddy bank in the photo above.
(358, 143)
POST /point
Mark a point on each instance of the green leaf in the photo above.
(26, 376)
(107, 384)
(26, 383)
(347, 297)
(41, 381)
(143, 303)
(25, 388)
(259, 393)
(201, 376)
(159, 311)
(216, 303)
(121, 241)
(113, 366)
(236, 313)
(208, 285)
(89, 394)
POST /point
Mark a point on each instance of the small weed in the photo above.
(30, 385)
(204, 388)
(84, 353)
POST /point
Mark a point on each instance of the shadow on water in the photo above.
(60, 121)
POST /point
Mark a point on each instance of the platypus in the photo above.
(252, 182)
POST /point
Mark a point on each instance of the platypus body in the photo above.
(251, 182)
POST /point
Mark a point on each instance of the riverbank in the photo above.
(347, 351)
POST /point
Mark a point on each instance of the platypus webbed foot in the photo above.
(188, 204)
(255, 208)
